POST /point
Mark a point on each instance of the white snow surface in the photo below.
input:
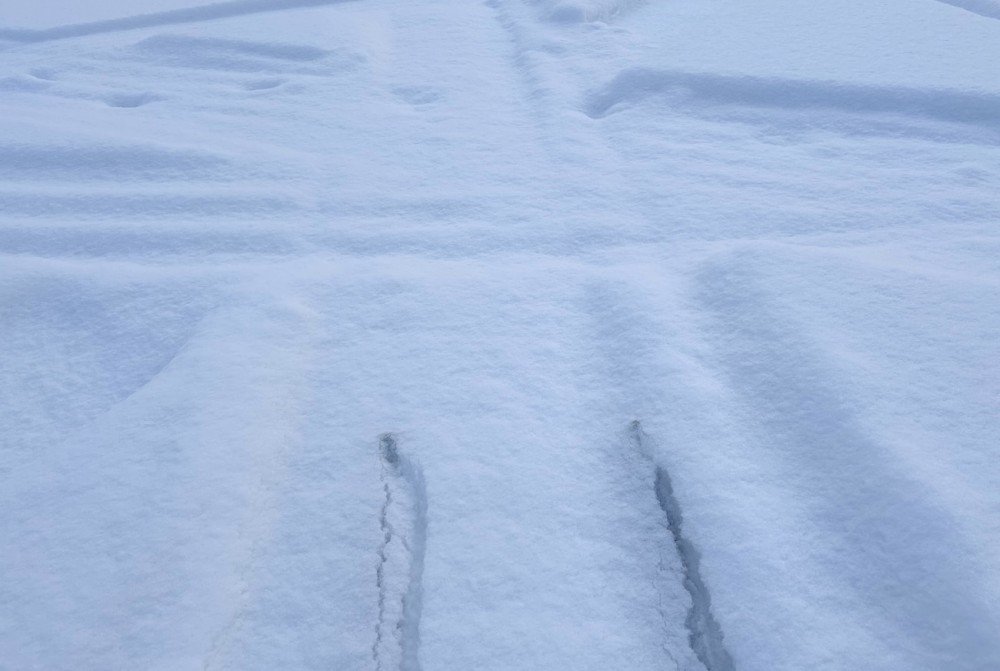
(241, 241)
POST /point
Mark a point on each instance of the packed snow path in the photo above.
(327, 328)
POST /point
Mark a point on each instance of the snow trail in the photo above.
(575, 11)
(399, 576)
(692, 89)
(799, 414)
(704, 633)
(209, 12)
(238, 240)
(988, 8)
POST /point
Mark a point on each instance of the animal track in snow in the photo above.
(403, 522)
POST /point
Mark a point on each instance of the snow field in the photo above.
(245, 244)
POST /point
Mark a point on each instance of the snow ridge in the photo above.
(704, 633)
(399, 576)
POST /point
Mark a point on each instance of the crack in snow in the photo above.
(704, 633)
(399, 575)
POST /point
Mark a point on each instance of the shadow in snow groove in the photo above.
(692, 89)
(217, 10)
(403, 521)
(704, 633)
(988, 8)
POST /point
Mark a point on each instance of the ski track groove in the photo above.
(399, 575)
(687, 89)
(387, 534)
(704, 633)
(524, 62)
(210, 12)
(985, 8)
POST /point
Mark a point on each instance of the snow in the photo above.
(246, 245)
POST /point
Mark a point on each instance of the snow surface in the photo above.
(245, 246)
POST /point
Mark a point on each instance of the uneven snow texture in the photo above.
(328, 329)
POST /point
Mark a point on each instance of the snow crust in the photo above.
(244, 244)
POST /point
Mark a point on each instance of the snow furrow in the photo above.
(704, 633)
(575, 11)
(403, 522)
(698, 89)
(210, 12)
(988, 8)
(239, 239)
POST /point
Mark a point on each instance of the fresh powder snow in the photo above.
(503, 335)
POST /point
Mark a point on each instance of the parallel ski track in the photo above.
(704, 633)
(399, 576)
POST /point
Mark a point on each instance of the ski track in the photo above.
(211, 12)
(987, 8)
(33, 162)
(112, 181)
(808, 425)
(580, 11)
(704, 633)
(525, 53)
(403, 523)
(687, 89)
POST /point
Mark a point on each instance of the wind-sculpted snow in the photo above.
(403, 523)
